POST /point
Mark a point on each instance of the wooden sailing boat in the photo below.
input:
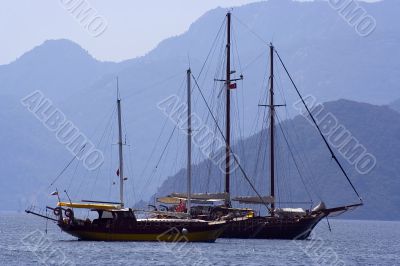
(285, 223)
(280, 223)
(115, 222)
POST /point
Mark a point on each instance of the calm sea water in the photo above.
(23, 242)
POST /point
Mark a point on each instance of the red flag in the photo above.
(118, 172)
(232, 86)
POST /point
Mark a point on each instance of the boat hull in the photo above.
(142, 231)
(271, 228)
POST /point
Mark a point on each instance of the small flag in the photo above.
(54, 193)
(232, 86)
(118, 172)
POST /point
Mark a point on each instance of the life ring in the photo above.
(57, 211)
(69, 213)
(164, 208)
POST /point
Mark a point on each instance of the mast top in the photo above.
(118, 95)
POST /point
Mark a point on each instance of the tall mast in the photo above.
(189, 142)
(272, 127)
(121, 158)
(228, 107)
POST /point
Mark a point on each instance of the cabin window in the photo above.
(107, 215)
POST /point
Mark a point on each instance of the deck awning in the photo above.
(96, 206)
(254, 200)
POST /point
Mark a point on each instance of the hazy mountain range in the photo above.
(325, 55)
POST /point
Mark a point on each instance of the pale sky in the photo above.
(134, 26)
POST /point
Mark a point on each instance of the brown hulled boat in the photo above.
(114, 222)
(279, 223)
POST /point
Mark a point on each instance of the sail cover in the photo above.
(203, 196)
(254, 200)
(175, 198)
(96, 206)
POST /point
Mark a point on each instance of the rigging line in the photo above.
(233, 155)
(73, 176)
(214, 50)
(264, 51)
(319, 130)
(279, 84)
(305, 163)
(96, 178)
(103, 136)
(109, 146)
(130, 170)
(250, 30)
(111, 169)
(286, 171)
(107, 140)
(108, 123)
(305, 166)
(161, 156)
(235, 44)
(129, 165)
(236, 105)
(155, 146)
(65, 168)
(166, 119)
(240, 129)
(99, 125)
(265, 151)
(212, 46)
(154, 171)
(261, 138)
(152, 85)
(106, 128)
(292, 154)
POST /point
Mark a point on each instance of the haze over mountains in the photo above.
(325, 55)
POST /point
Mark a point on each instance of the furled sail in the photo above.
(175, 198)
(254, 200)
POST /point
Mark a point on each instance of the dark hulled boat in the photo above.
(122, 225)
(279, 223)
(114, 222)
(290, 224)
